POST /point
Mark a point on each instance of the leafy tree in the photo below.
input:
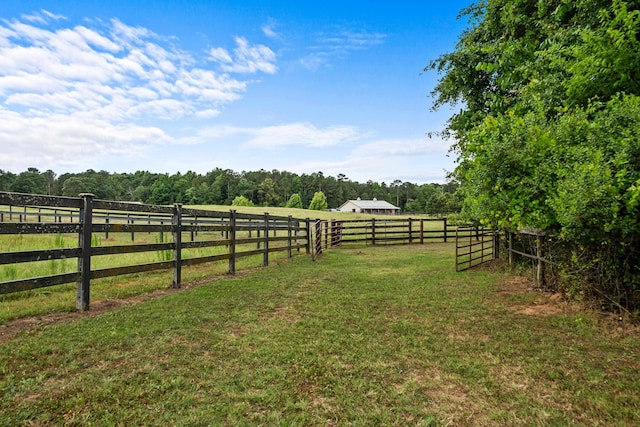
(547, 133)
(74, 186)
(267, 193)
(6, 180)
(319, 202)
(241, 201)
(295, 201)
(49, 179)
(161, 191)
(30, 181)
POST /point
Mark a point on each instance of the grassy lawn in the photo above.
(364, 336)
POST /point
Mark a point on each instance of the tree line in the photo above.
(223, 186)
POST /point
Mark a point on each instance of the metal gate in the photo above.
(325, 235)
(475, 246)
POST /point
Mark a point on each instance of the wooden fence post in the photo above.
(373, 231)
(177, 244)
(410, 231)
(231, 233)
(130, 221)
(540, 266)
(510, 234)
(444, 224)
(318, 240)
(265, 255)
(289, 225)
(308, 230)
(258, 234)
(84, 260)
(421, 231)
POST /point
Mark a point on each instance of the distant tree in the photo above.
(319, 202)
(267, 194)
(414, 205)
(199, 194)
(50, 180)
(295, 201)
(6, 180)
(241, 201)
(30, 181)
(397, 184)
(76, 185)
(246, 188)
(161, 191)
(141, 193)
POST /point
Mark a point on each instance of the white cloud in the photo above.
(220, 54)
(71, 93)
(269, 30)
(302, 134)
(246, 58)
(287, 135)
(339, 43)
(42, 17)
(385, 160)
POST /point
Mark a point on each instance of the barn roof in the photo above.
(371, 204)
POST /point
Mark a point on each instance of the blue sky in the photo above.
(172, 86)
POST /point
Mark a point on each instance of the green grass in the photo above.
(363, 336)
(62, 298)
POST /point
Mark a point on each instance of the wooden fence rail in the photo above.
(534, 251)
(86, 217)
(376, 231)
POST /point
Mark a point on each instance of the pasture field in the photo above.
(364, 336)
(62, 297)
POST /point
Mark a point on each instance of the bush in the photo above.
(241, 201)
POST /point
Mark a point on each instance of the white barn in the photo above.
(373, 207)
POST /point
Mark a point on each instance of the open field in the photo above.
(363, 336)
(61, 297)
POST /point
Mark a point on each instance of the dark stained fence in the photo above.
(379, 231)
(242, 235)
(475, 246)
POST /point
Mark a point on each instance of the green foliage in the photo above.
(319, 202)
(547, 136)
(295, 201)
(241, 201)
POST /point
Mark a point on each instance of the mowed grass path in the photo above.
(364, 336)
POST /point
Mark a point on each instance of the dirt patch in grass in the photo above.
(10, 329)
(544, 303)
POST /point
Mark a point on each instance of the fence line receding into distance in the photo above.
(241, 235)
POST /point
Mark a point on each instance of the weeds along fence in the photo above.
(39, 235)
(537, 248)
(375, 231)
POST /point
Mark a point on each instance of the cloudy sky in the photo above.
(172, 86)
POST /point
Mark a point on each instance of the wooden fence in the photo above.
(241, 235)
(530, 244)
(376, 231)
